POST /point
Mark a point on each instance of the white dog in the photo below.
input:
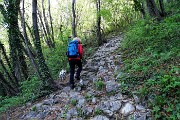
(62, 74)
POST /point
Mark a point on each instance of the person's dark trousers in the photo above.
(72, 64)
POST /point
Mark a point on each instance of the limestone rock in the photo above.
(127, 109)
(100, 117)
(112, 86)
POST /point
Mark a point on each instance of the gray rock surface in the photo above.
(100, 117)
(127, 109)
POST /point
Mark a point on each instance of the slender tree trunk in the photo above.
(98, 35)
(32, 39)
(8, 88)
(47, 26)
(51, 23)
(152, 8)
(143, 10)
(74, 34)
(42, 34)
(23, 65)
(139, 6)
(7, 73)
(31, 34)
(9, 64)
(29, 45)
(44, 30)
(2, 90)
(26, 39)
(61, 32)
(161, 4)
(47, 79)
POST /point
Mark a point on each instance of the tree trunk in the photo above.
(143, 10)
(47, 26)
(60, 32)
(9, 89)
(161, 4)
(23, 65)
(12, 40)
(46, 77)
(16, 54)
(98, 35)
(44, 30)
(74, 34)
(153, 11)
(9, 64)
(31, 35)
(51, 23)
(2, 90)
(26, 39)
(7, 73)
(139, 6)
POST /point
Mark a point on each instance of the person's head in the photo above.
(78, 39)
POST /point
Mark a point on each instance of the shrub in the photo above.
(31, 89)
(150, 52)
(56, 58)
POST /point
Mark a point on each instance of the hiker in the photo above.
(74, 53)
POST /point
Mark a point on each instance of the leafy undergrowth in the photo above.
(31, 90)
(151, 56)
(56, 58)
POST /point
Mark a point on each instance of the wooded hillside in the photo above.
(35, 35)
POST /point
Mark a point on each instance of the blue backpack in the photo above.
(72, 51)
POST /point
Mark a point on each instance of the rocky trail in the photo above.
(97, 95)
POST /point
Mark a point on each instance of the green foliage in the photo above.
(99, 84)
(73, 102)
(151, 56)
(65, 111)
(172, 7)
(111, 93)
(6, 102)
(31, 89)
(88, 97)
(89, 51)
(56, 59)
(34, 108)
(106, 14)
(98, 112)
(80, 112)
(124, 87)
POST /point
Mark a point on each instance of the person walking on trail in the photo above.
(74, 54)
